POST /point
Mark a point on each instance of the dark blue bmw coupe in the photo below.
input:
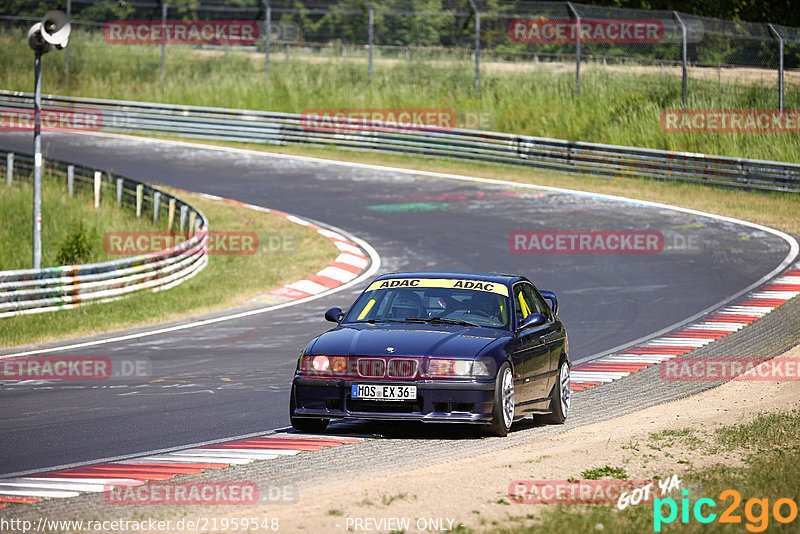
(440, 347)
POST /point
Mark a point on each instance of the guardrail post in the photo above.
(192, 220)
(684, 56)
(267, 35)
(184, 210)
(9, 168)
(171, 214)
(119, 191)
(477, 44)
(577, 48)
(70, 180)
(98, 182)
(139, 198)
(156, 205)
(371, 33)
(780, 66)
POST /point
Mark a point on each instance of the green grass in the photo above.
(605, 472)
(227, 281)
(771, 471)
(614, 107)
(764, 432)
(61, 217)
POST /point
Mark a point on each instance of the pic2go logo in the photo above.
(756, 511)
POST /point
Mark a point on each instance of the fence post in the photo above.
(163, 38)
(371, 33)
(184, 210)
(267, 35)
(119, 191)
(780, 66)
(171, 214)
(66, 52)
(477, 44)
(156, 205)
(9, 168)
(70, 180)
(577, 48)
(192, 221)
(139, 198)
(684, 56)
(98, 181)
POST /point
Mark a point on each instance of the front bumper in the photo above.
(437, 401)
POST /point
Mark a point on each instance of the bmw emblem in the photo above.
(390, 349)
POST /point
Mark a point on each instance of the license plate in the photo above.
(382, 392)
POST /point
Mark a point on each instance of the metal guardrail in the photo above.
(469, 145)
(30, 291)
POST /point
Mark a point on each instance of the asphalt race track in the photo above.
(232, 378)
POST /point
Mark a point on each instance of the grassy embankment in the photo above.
(615, 106)
(227, 281)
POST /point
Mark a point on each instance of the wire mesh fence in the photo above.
(478, 35)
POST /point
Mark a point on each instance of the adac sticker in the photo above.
(475, 285)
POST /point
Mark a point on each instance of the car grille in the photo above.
(371, 367)
(401, 368)
(387, 367)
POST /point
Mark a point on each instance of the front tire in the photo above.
(560, 397)
(305, 424)
(503, 407)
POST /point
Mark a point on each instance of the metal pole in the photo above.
(371, 36)
(163, 38)
(9, 168)
(684, 56)
(477, 44)
(577, 48)
(37, 163)
(66, 57)
(780, 66)
(267, 36)
(70, 179)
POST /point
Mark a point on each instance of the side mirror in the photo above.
(334, 315)
(534, 319)
(549, 295)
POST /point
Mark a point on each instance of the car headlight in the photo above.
(456, 368)
(321, 365)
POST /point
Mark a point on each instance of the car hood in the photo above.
(407, 340)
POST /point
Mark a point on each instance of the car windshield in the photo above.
(438, 301)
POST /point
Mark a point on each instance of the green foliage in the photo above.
(77, 245)
(605, 472)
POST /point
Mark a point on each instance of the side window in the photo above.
(541, 304)
(527, 301)
(521, 303)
